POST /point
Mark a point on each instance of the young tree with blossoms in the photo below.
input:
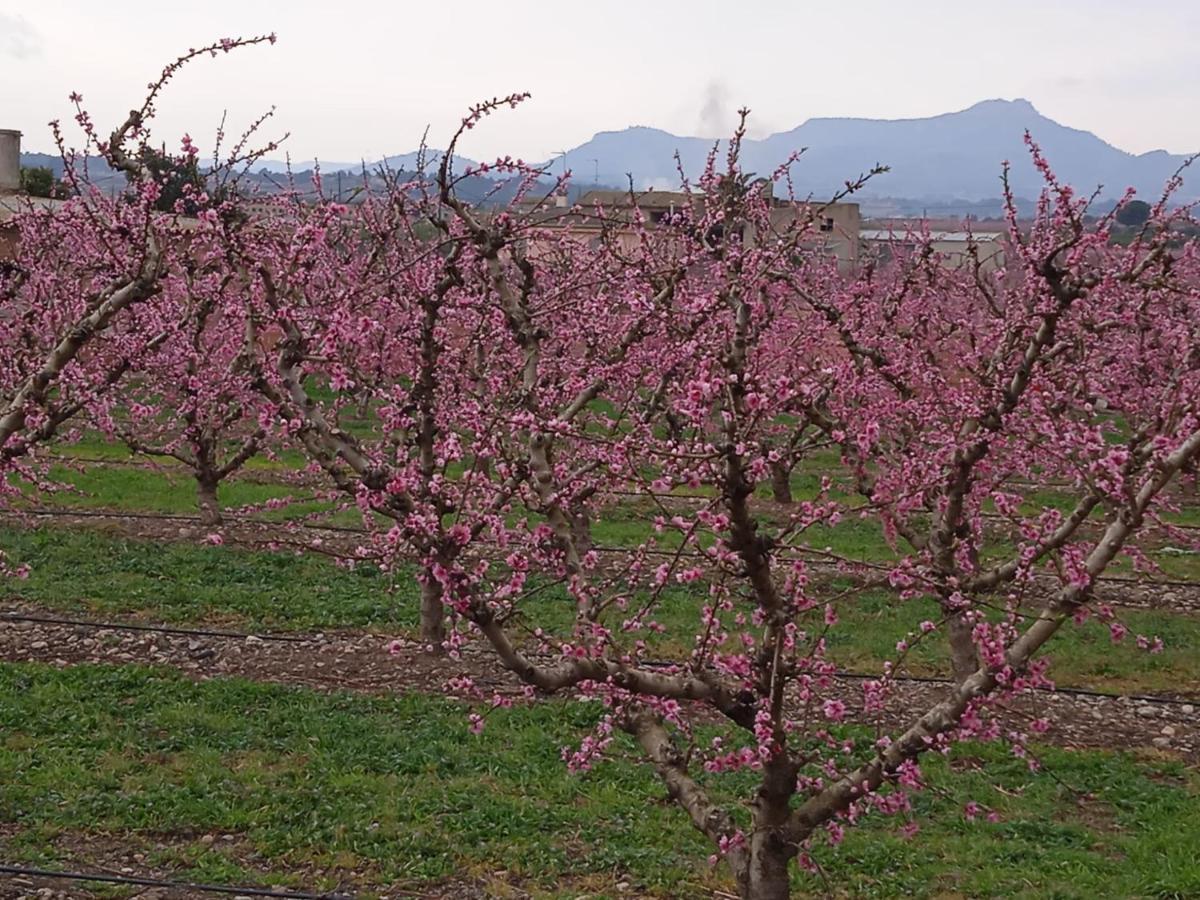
(487, 396)
(949, 393)
(190, 399)
(340, 296)
(82, 299)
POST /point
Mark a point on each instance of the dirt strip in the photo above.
(128, 855)
(354, 661)
(362, 662)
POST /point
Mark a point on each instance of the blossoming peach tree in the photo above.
(498, 358)
(82, 298)
(534, 372)
(531, 378)
(188, 398)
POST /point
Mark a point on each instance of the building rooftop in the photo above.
(884, 234)
(13, 203)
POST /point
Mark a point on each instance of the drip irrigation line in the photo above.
(180, 517)
(1074, 692)
(615, 492)
(159, 629)
(167, 883)
(651, 663)
(797, 553)
(933, 679)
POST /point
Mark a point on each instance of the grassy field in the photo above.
(83, 572)
(170, 489)
(396, 790)
(239, 782)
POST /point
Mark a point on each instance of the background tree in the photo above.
(472, 382)
(82, 300)
(1133, 213)
(39, 181)
(189, 398)
(178, 177)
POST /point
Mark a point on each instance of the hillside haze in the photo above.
(956, 155)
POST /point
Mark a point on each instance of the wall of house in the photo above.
(8, 241)
(835, 229)
(952, 250)
(10, 160)
(991, 253)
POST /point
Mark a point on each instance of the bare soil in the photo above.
(130, 855)
(359, 661)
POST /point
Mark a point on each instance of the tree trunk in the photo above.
(206, 499)
(766, 878)
(964, 656)
(433, 616)
(781, 482)
(765, 875)
(581, 531)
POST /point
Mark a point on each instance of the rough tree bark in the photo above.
(964, 657)
(433, 616)
(781, 483)
(206, 499)
(766, 875)
(581, 528)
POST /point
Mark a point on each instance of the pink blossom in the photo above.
(835, 710)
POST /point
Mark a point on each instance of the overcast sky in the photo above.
(355, 80)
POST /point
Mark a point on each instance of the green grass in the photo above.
(86, 572)
(167, 489)
(147, 490)
(1082, 655)
(171, 489)
(396, 788)
(89, 572)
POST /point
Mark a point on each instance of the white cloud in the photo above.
(1128, 73)
(18, 38)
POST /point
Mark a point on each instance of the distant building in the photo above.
(12, 199)
(10, 160)
(953, 247)
(835, 228)
(10, 183)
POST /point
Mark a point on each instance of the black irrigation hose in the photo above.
(233, 520)
(828, 563)
(165, 883)
(147, 463)
(163, 629)
(131, 463)
(1183, 526)
(932, 679)
(179, 517)
(1074, 692)
(653, 663)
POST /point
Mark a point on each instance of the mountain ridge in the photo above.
(948, 158)
(952, 155)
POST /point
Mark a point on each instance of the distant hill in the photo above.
(404, 162)
(339, 180)
(955, 156)
(951, 162)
